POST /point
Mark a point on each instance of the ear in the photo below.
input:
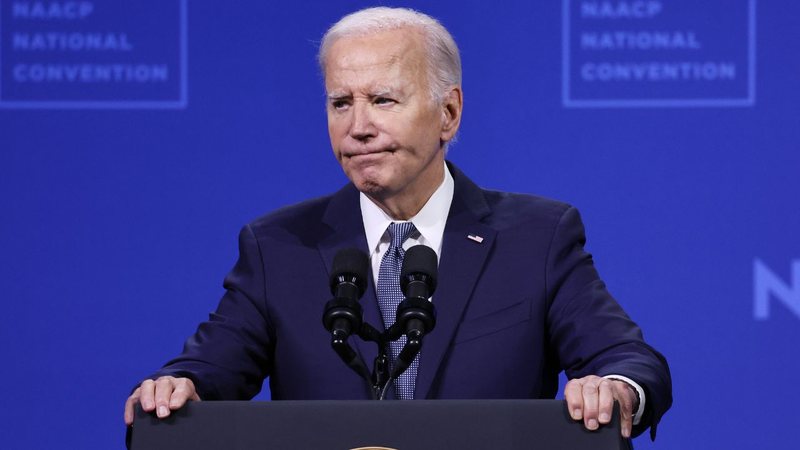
(452, 104)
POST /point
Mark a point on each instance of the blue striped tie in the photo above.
(389, 296)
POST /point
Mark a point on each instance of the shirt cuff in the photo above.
(637, 416)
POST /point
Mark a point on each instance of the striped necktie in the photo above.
(389, 296)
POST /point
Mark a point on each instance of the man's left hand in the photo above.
(591, 399)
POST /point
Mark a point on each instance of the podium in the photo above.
(360, 424)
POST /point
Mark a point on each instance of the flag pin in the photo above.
(475, 237)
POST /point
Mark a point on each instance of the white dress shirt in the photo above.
(429, 223)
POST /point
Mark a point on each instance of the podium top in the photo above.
(400, 425)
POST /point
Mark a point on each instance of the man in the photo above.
(518, 299)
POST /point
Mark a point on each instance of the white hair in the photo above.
(443, 59)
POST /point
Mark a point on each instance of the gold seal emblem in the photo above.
(373, 448)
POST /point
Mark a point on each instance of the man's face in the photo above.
(385, 129)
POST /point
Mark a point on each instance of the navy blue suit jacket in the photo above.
(512, 311)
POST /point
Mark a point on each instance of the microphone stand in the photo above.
(416, 316)
(382, 374)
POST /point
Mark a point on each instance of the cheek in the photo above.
(336, 130)
(427, 123)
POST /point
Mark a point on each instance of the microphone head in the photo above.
(420, 264)
(350, 265)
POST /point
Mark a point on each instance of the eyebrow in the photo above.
(378, 91)
(336, 95)
(381, 91)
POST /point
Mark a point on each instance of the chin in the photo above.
(368, 180)
(370, 187)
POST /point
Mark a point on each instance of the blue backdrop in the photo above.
(132, 135)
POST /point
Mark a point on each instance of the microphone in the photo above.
(349, 274)
(343, 314)
(419, 273)
(418, 282)
(416, 315)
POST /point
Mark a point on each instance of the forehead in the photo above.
(383, 57)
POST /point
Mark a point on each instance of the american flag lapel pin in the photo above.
(475, 237)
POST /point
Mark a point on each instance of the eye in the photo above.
(340, 104)
(384, 101)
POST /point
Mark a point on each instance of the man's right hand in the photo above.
(163, 395)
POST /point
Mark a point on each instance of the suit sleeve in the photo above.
(590, 332)
(229, 355)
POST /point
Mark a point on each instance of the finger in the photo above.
(605, 401)
(626, 398)
(147, 395)
(590, 404)
(184, 391)
(129, 405)
(164, 388)
(574, 397)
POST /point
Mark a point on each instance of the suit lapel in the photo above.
(460, 267)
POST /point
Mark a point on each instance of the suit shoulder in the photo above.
(305, 215)
(515, 208)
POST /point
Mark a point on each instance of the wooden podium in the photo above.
(401, 425)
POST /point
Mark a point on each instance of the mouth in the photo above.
(367, 153)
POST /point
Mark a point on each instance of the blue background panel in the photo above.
(103, 54)
(117, 225)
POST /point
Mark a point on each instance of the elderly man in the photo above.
(518, 298)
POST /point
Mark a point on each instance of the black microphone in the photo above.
(416, 315)
(418, 282)
(349, 273)
(419, 273)
(343, 314)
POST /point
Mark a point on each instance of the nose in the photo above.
(362, 128)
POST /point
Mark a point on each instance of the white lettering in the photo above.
(655, 71)
(643, 40)
(76, 42)
(620, 10)
(767, 285)
(51, 10)
(91, 73)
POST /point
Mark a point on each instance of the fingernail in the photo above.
(162, 411)
(577, 414)
(604, 418)
(592, 424)
(626, 433)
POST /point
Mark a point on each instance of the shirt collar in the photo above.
(429, 221)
